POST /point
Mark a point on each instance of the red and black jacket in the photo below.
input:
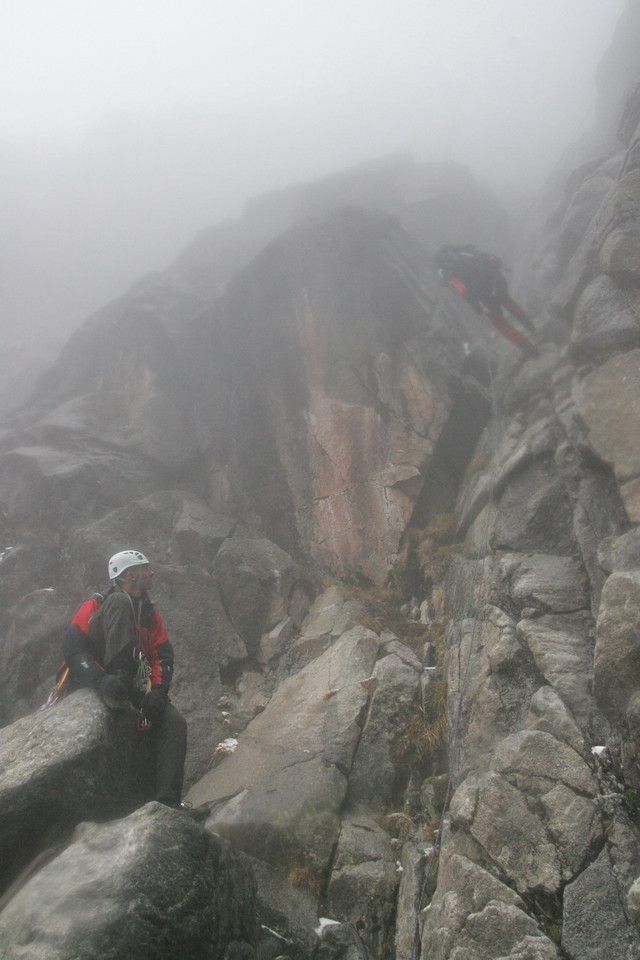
(108, 634)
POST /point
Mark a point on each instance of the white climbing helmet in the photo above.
(120, 562)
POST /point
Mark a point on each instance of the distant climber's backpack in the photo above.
(489, 258)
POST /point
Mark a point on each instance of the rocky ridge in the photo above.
(543, 812)
(371, 429)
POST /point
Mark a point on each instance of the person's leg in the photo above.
(516, 311)
(504, 327)
(171, 750)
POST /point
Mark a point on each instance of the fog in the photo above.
(127, 128)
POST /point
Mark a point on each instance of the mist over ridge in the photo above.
(86, 217)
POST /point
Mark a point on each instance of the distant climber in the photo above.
(117, 644)
(477, 276)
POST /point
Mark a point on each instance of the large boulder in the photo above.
(620, 219)
(607, 401)
(534, 512)
(606, 320)
(32, 563)
(481, 916)
(280, 793)
(31, 651)
(394, 692)
(622, 552)
(616, 664)
(513, 836)
(543, 582)
(70, 762)
(562, 647)
(491, 678)
(364, 881)
(57, 485)
(153, 885)
(596, 925)
(173, 527)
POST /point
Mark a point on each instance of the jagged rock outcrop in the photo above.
(296, 792)
(542, 653)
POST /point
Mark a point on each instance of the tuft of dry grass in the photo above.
(427, 728)
(419, 571)
(431, 828)
(425, 556)
(305, 879)
(383, 606)
(398, 825)
(435, 560)
(479, 465)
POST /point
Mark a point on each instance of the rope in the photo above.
(454, 738)
(142, 679)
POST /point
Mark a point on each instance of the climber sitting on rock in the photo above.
(117, 644)
(477, 276)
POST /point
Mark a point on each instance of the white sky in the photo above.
(65, 64)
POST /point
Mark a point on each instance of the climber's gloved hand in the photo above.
(154, 703)
(113, 692)
(84, 670)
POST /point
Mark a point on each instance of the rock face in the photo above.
(343, 398)
(305, 396)
(254, 422)
(296, 793)
(402, 578)
(311, 404)
(542, 651)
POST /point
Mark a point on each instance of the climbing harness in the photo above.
(142, 679)
(142, 683)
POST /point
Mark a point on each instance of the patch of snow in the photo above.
(274, 933)
(598, 751)
(324, 923)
